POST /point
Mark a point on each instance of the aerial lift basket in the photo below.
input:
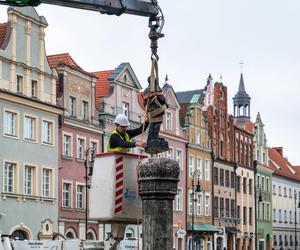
(113, 188)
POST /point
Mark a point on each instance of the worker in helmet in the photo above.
(120, 139)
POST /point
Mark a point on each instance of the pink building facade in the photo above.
(79, 131)
(175, 135)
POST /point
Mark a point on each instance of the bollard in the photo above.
(158, 178)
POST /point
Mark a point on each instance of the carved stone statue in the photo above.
(155, 102)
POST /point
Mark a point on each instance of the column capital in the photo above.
(158, 178)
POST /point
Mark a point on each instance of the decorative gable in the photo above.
(125, 75)
(24, 66)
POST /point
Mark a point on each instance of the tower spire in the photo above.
(241, 102)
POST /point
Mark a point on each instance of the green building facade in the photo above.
(263, 188)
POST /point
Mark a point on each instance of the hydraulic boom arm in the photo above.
(146, 8)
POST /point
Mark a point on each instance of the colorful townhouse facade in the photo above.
(79, 133)
(262, 187)
(172, 131)
(286, 197)
(28, 130)
(221, 132)
(243, 157)
(200, 229)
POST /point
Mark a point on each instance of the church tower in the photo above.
(241, 104)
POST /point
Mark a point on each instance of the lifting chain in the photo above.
(156, 24)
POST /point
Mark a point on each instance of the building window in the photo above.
(279, 190)
(29, 128)
(290, 193)
(250, 215)
(67, 145)
(216, 207)
(227, 178)
(178, 200)
(80, 196)
(67, 194)
(222, 148)
(244, 185)
(72, 106)
(222, 207)
(232, 208)
(170, 153)
(267, 184)
(179, 158)
(263, 211)
(199, 205)
(10, 177)
(221, 177)
(207, 212)
(238, 184)
(274, 189)
(250, 186)
(227, 207)
(168, 121)
(207, 170)
(285, 216)
(198, 136)
(284, 192)
(11, 123)
(274, 215)
(80, 148)
(291, 217)
(34, 89)
(94, 145)
(275, 240)
(47, 132)
(244, 215)
(199, 167)
(191, 198)
(238, 212)
(46, 182)
(232, 180)
(19, 84)
(280, 240)
(279, 215)
(126, 109)
(29, 176)
(85, 110)
(216, 176)
(268, 211)
(191, 165)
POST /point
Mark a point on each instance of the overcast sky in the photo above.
(201, 37)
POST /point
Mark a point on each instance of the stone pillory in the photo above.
(158, 179)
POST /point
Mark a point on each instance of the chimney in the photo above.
(279, 150)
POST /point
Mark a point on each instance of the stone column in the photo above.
(158, 179)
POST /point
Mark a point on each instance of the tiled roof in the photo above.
(102, 84)
(55, 60)
(65, 58)
(2, 32)
(249, 127)
(281, 165)
(188, 96)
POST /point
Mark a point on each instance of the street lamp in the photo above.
(197, 190)
(88, 163)
(295, 198)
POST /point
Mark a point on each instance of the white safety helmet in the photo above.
(122, 120)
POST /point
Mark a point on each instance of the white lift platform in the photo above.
(113, 193)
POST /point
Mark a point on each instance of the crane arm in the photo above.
(146, 8)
